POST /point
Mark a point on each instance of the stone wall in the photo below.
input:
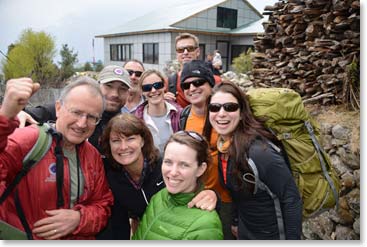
(342, 224)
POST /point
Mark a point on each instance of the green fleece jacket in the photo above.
(167, 217)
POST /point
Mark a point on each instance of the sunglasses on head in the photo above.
(188, 48)
(192, 134)
(228, 107)
(156, 85)
(137, 73)
(196, 83)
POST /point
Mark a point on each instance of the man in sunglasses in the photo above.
(135, 98)
(187, 49)
(197, 81)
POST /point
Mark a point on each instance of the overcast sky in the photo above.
(76, 22)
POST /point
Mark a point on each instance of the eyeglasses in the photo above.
(197, 83)
(77, 114)
(192, 134)
(137, 73)
(228, 107)
(148, 87)
(188, 48)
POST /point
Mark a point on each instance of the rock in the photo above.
(338, 165)
(346, 217)
(320, 226)
(345, 233)
(326, 128)
(353, 199)
(356, 226)
(326, 142)
(347, 180)
(356, 174)
(339, 132)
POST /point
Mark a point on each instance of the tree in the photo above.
(243, 63)
(88, 67)
(98, 66)
(32, 57)
(68, 59)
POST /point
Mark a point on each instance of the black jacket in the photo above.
(129, 201)
(256, 212)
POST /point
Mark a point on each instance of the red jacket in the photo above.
(37, 190)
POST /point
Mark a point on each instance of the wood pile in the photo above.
(309, 45)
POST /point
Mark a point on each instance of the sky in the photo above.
(76, 22)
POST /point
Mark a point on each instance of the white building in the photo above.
(228, 26)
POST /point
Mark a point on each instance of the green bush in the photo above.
(243, 63)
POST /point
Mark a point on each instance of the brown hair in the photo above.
(128, 124)
(148, 73)
(195, 141)
(248, 129)
(187, 36)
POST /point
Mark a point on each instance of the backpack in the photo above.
(184, 115)
(172, 83)
(285, 116)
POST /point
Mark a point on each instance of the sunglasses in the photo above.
(188, 48)
(137, 73)
(228, 107)
(192, 134)
(197, 83)
(156, 85)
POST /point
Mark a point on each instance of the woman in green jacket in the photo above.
(167, 215)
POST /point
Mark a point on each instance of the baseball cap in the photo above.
(114, 73)
(197, 68)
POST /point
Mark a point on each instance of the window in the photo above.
(150, 53)
(226, 18)
(121, 52)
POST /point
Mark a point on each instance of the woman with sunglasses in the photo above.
(133, 169)
(167, 216)
(161, 115)
(243, 142)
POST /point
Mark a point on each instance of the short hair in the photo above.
(195, 141)
(134, 61)
(92, 84)
(128, 124)
(187, 36)
(148, 73)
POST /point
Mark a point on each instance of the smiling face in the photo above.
(75, 128)
(187, 56)
(126, 150)
(115, 93)
(222, 121)
(180, 168)
(197, 95)
(154, 96)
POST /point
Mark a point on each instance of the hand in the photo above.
(234, 230)
(206, 200)
(17, 93)
(60, 222)
(170, 96)
(134, 223)
(25, 118)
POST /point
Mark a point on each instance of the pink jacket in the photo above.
(37, 190)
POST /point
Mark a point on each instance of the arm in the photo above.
(275, 173)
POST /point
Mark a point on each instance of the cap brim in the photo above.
(115, 79)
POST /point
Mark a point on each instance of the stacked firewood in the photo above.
(309, 45)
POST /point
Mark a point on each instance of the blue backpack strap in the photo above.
(258, 184)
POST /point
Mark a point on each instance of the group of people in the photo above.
(145, 157)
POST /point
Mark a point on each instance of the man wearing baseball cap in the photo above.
(197, 81)
(114, 83)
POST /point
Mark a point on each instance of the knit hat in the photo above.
(114, 73)
(197, 68)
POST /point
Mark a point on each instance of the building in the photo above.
(228, 26)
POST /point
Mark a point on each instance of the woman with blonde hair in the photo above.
(161, 115)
